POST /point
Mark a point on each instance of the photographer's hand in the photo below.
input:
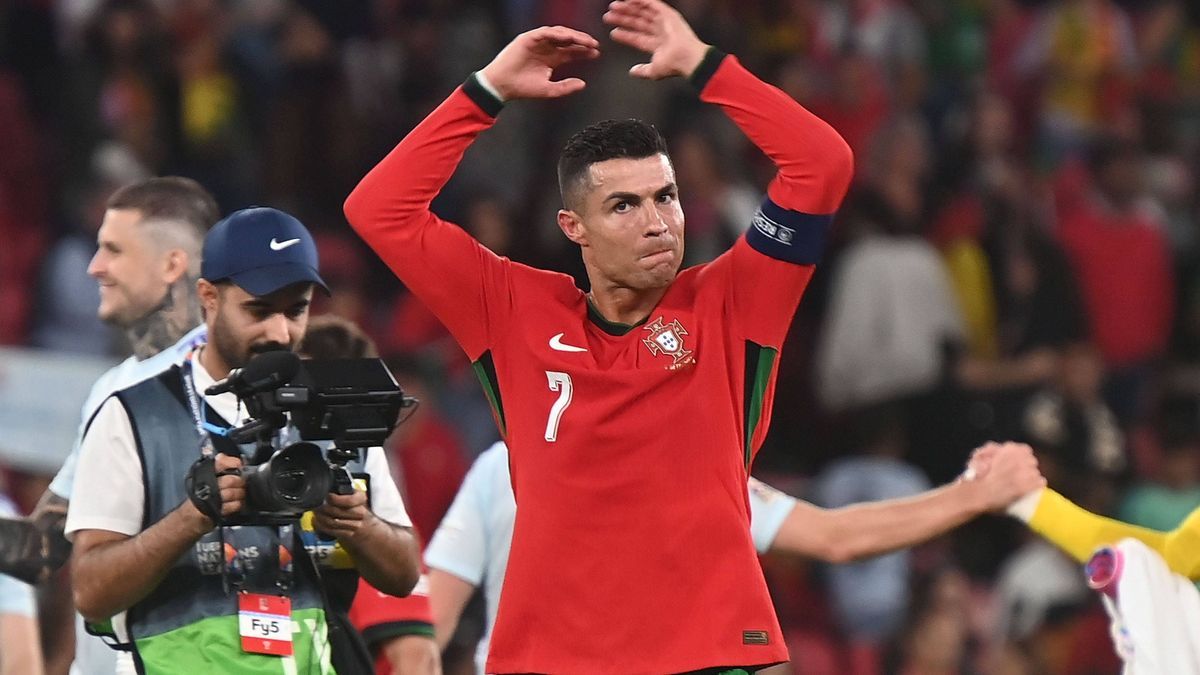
(112, 571)
(385, 554)
(233, 485)
(342, 516)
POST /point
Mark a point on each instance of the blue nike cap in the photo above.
(261, 250)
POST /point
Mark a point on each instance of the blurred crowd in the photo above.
(1019, 257)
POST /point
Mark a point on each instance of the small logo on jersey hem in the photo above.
(755, 637)
(668, 339)
(558, 345)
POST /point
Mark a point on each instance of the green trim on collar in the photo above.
(610, 327)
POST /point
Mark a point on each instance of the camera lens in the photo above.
(294, 480)
(290, 485)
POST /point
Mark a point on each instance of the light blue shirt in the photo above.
(473, 540)
(16, 597)
(870, 596)
(121, 376)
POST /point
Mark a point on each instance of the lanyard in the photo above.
(198, 407)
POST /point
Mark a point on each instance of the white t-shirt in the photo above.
(473, 540)
(122, 376)
(92, 656)
(109, 493)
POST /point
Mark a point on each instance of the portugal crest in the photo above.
(668, 339)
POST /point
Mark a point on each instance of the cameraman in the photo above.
(146, 555)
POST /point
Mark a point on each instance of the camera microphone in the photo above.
(265, 371)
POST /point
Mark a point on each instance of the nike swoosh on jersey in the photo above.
(557, 344)
(280, 245)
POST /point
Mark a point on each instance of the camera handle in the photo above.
(343, 484)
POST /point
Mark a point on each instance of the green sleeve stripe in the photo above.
(379, 633)
(760, 361)
(485, 370)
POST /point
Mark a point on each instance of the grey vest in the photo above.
(168, 444)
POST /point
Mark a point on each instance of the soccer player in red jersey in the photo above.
(633, 411)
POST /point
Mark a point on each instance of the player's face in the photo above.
(631, 225)
(133, 274)
(241, 325)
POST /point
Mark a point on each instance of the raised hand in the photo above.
(524, 68)
(1005, 472)
(658, 29)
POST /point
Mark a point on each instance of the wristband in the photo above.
(1024, 508)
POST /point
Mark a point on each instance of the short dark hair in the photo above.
(176, 212)
(610, 139)
(169, 198)
(331, 337)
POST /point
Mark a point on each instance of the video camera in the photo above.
(353, 402)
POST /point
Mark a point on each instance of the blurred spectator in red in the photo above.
(854, 101)
(23, 209)
(1117, 246)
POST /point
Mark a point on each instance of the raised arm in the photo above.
(447, 269)
(815, 163)
(1080, 532)
(769, 268)
(873, 528)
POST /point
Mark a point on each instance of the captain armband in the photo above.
(790, 236)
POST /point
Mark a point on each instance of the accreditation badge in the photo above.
(265, 623)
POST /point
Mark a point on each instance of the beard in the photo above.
(232, 350)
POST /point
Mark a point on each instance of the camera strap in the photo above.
(202, 488)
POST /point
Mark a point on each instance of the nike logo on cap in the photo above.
(557, 345)
(280, 245)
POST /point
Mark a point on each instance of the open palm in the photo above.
(654, 27)
(525, 68)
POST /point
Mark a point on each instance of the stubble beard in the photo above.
(221, 339)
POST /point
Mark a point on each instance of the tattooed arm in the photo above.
(33, 548)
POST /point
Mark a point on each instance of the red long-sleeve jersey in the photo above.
(629, 445)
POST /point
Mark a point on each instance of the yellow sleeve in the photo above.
(1080, 532)
(1182, 551)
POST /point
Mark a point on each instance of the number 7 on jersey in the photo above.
(560, 382)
